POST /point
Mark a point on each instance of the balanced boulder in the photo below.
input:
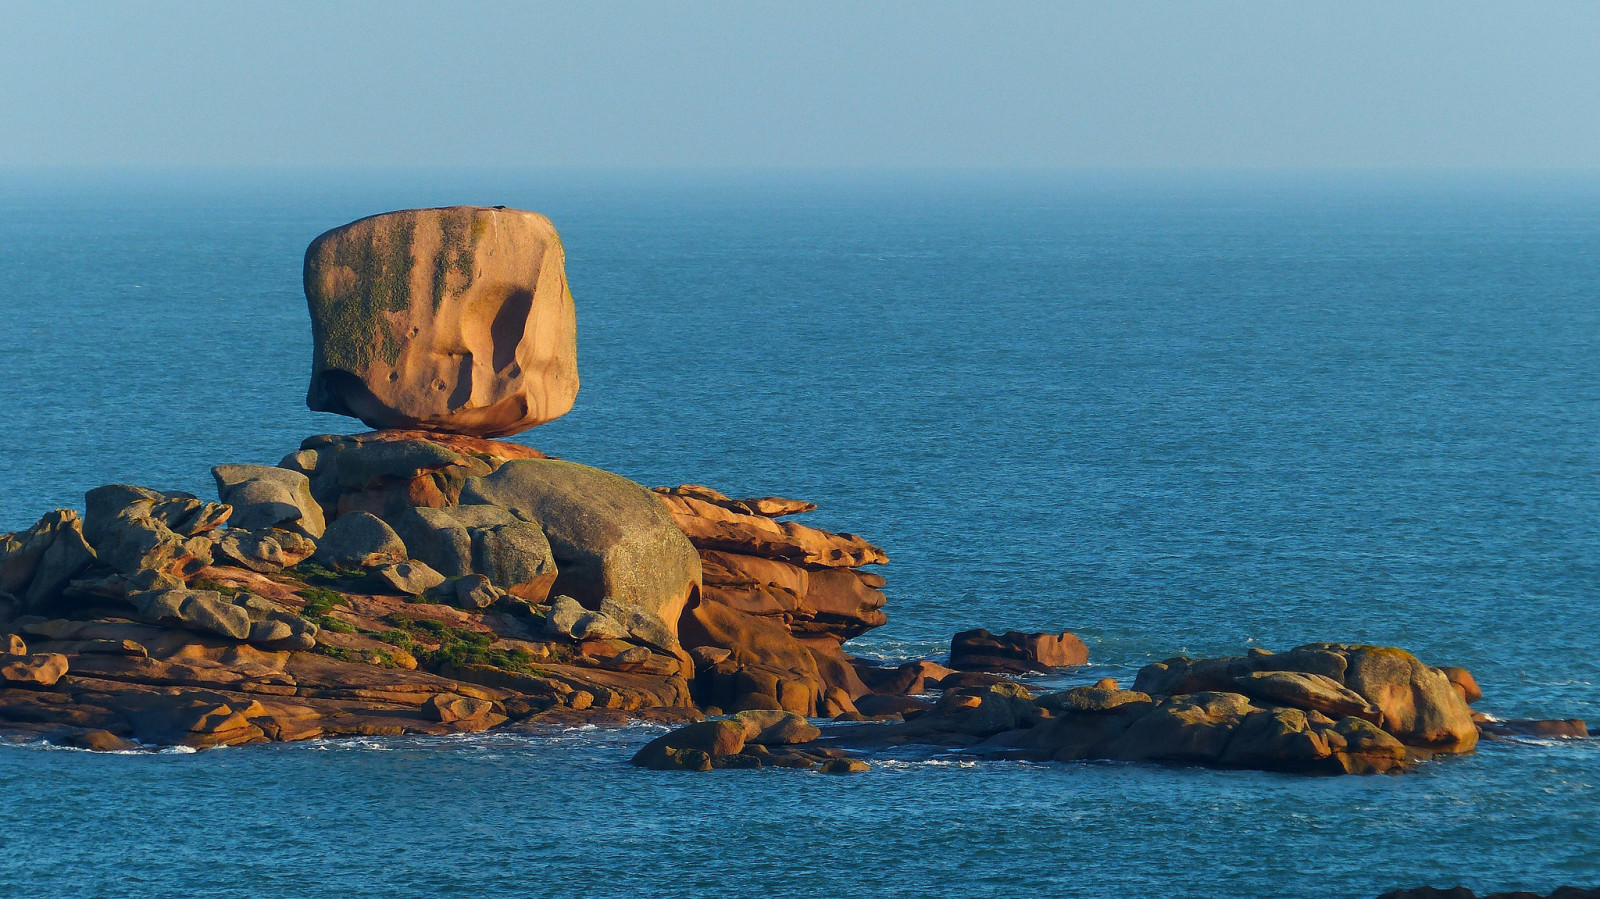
(456, 319)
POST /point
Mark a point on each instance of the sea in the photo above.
(1172, 413)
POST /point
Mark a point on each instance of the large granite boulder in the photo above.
(266, 497)
(359, 540)
(485, 540)
(456, 319)
(611, 538)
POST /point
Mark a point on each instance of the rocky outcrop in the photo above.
(1383, 685)
(456, 319)
(712, 521)
(154, 621)
(1324, 708)
(753, 739)
(458, 584)
(149, 537)
(1015, 652)
(38, 563)
(778, 600)
(610, 537)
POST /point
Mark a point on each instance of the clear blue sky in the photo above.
(1244, 85)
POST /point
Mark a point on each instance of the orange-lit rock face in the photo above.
(456, 319)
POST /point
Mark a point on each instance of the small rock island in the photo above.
(427, 578)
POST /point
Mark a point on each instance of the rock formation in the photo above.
(979, 650)
(391, 582)
(426, 579)
(1320, 709)
(456, 319)
(778, 600)
(408, 582)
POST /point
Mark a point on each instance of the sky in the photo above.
(803, 85)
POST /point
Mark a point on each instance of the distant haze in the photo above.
(1510, 86)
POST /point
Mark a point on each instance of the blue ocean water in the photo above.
(1173, 415)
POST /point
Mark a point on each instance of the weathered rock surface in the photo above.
(777, 602)
(136, 531)
(1411, 701)
(713, 525)
(359, 540)
(610, 537)
(456, 319)
(266, 497)
(511, 553)
(410, 578)
(37, 564)
(38, 670)
(273, 549)
(388, 472)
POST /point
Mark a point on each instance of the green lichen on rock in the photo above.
(381, 263)
(457, 243)
(435, 644)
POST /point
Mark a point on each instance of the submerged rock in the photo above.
(456, 319)
(980, 650)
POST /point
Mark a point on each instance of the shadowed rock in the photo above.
(359, 540)
(980, 650)
(487, 540)
(456, 319)
(611, 538)
(266, 497)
